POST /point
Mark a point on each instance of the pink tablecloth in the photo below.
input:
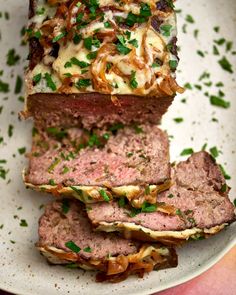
(219, 280)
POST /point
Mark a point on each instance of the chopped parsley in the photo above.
(148, 208)
(107, 25)
(219, 102)
(87, 249)
(166, 30)
(53, 165)
(18, 85)
(189, 19)
(122, 202)
(50, 82)
(170, 196)
(81, 64)
(65, 206)
(178, 120)
(104, 195)
(226, 65)
(51, 182)
(179, 212)
(58, 133)
(92, 55)
(200, 53)
(215, 50)
(214, 152)
(83, 83)
(37, 78)
(10, 130)
(134, 42)
(78, 191)
(173, 64)
(224, 188)
(58, 37)
(72, 246)
(188, 151)
(89, 42)
(12, 57)
(133, 82)
(22, 150)
(23, 223)
(77, 38)
(144, 13)
(4, 87)
(226, 176)
(65, 170)
(121, 47)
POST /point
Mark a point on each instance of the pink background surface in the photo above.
(219, 280)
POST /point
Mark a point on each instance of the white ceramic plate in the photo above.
(22, 269)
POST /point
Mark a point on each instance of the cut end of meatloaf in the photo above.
(66, 237)
(94, 109)
(121, 160)
(198, 200)
(111, 67)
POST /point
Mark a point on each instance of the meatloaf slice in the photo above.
(66, 237)
(97, 166)
(197, 205)
(116, 64)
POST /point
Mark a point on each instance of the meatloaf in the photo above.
(100, 62)
(66, 237)
(197, 205)
(102, 164)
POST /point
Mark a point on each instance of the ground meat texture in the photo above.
(94, 109)
(196, 194)
(136, 155)
(57, 228)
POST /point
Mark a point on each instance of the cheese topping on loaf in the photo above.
(105, 46)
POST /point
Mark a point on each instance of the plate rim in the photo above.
(166, 286)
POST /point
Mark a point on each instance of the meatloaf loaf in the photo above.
(98, 62)
(66, 237)
(199, 197)
(102, 164)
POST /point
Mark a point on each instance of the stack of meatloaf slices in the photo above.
(100, 77)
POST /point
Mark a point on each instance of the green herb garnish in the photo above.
(23, 223)
(58, 37)
(50, 82)
(188, 151)
(214, 152)
(72, 246)
(219, 102)
(226, 65)
(83, 83)
(104, 195)
(65, 206)
(37, 78)
(87, 249)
